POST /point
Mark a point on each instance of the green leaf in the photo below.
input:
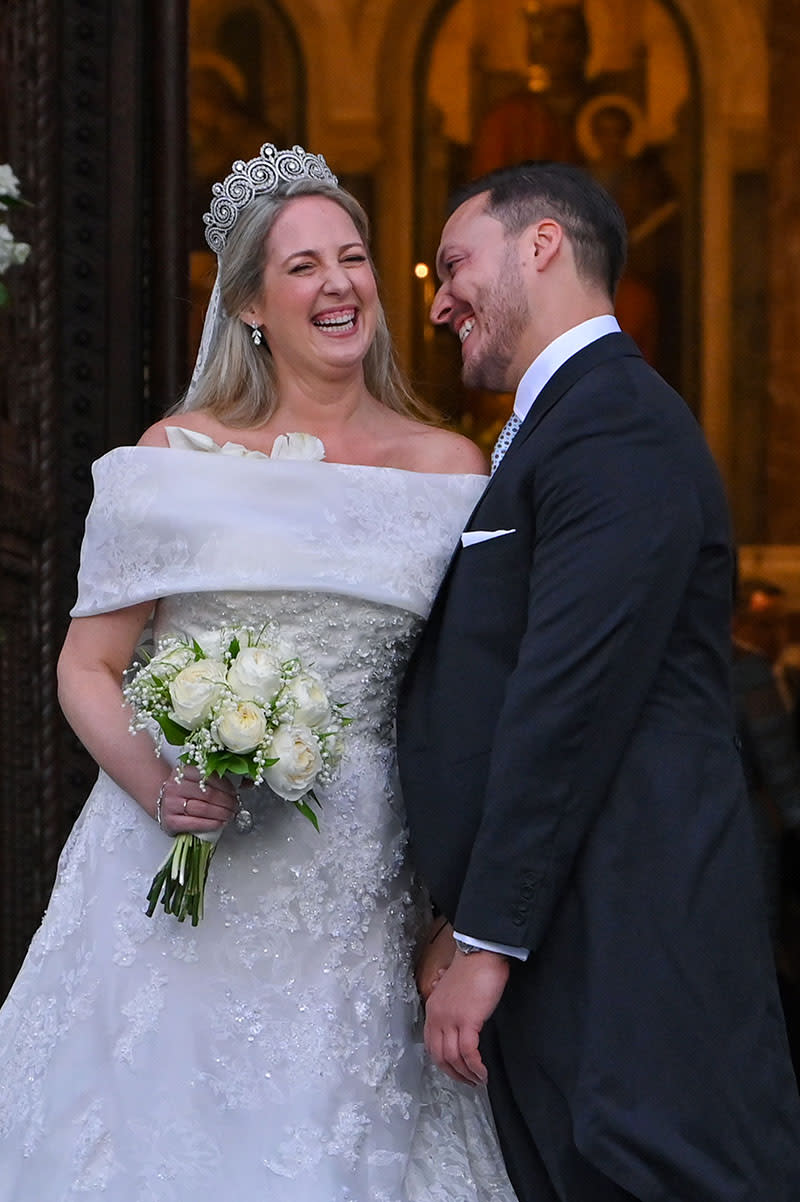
(173, 733)
(308, 813)
(198, 650)
(228, 761)
(234, 647)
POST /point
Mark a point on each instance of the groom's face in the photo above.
(482, 297)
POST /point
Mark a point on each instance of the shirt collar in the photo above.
(548, 361)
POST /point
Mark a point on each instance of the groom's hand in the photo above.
(462, 1000)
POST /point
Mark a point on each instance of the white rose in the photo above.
(255, 674)
(9, 184)
(297, 446)
(299, 762)
(311, 707)
(194, 691)
(241, 727)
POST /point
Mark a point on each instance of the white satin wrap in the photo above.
(167, 521)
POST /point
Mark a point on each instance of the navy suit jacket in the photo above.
(573, 785)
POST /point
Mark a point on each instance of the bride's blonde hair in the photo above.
(238, 384)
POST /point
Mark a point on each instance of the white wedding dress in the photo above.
(274, 1051)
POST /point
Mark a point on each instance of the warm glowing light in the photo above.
(421, 271)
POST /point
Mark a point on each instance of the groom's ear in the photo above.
(541, 242)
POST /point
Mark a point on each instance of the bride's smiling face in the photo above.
(319, 299)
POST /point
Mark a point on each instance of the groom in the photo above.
(567, 750)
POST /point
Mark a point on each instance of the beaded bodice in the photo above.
(358, 647)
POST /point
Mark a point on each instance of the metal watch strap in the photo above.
(467, 948)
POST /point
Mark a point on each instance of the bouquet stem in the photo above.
(180, 882)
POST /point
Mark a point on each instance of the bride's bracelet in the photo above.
(160, 800)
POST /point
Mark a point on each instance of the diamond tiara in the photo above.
(265, 173)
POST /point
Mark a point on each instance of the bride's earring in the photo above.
(256, 335)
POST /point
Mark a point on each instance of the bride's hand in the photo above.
(189, 806)
(435, 957)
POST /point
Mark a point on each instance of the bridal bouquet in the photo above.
(243, 705)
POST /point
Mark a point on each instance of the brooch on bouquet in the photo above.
(243, 706)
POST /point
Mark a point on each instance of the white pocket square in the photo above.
(470, 537)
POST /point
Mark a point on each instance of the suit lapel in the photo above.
(610, 346)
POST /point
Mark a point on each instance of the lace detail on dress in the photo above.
(274, 1051)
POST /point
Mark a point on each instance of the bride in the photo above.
(273, 1050)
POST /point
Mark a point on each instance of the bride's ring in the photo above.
(185, 804)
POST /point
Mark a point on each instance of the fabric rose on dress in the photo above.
(194, 691)
(255, 675)
(311, 705)
(299, 762)
(285, 446)
(181, 439)
(297, 446)
(241, 727)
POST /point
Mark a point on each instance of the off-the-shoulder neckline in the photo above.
(254, 456)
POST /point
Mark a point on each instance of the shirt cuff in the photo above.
(518, 953)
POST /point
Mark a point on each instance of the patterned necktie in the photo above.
(504, 441)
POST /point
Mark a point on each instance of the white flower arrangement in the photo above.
(12, 253)
(245, 706)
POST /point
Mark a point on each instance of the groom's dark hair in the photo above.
(590, 217)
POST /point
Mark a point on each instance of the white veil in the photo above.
(215, 315)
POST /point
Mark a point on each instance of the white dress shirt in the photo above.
(555, 355)
(544, 366)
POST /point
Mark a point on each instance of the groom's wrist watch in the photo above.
(467, 949)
